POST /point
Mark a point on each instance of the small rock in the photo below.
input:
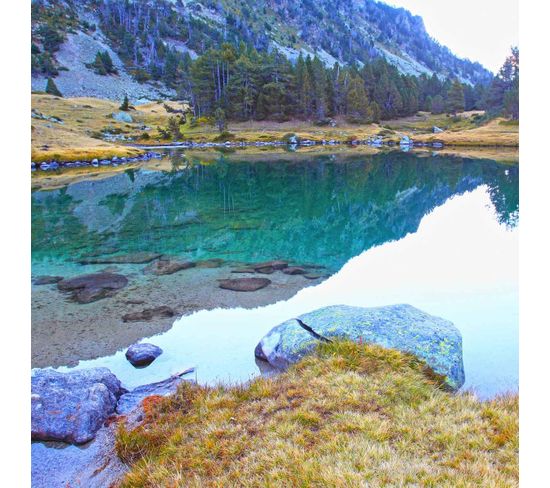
(142, 354)
(436, 130)
(277, 265)
(244, 284)
(294, 270)
(131, 258)
(122, 117)
(47, 280)
(167, 267)
(148, 314)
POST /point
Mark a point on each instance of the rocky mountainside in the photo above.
(142, 38)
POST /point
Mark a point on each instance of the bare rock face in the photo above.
(92, 287)
(244, 284)
(71, 407)
(142, 354)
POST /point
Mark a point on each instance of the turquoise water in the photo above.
(437, 232)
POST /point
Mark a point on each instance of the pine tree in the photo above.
(437, 106)
(357, 101)
(125, 104)
(455, 98)
(52, 89)
(219, 117)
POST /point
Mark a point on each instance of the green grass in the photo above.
(350, 415)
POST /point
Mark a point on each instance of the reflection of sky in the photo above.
(460, 265)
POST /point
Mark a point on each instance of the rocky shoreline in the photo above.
(84, 406)
(376, 142)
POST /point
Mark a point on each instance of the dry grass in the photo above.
(85, 117)
(352, 415)
(82, 118)
(495, 133)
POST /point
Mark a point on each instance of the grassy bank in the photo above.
(351, 415)
(84, 123)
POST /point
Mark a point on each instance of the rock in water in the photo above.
(91, 287)
(402, 327)
(148, 314)
(244, 284)
(131, 258)
(47, 280)
(142, 354)
(167, 267)
(71, 407)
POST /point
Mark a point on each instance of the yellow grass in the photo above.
(352, 415)
(85, 117)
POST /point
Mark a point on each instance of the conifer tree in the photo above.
(125, 104)
(52, 89)
(455, 98)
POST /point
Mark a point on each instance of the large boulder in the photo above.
(71, 407)
(122, 117)
(402, 327)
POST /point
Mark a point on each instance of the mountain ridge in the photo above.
(354, 32)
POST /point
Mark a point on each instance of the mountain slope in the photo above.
(143, 33)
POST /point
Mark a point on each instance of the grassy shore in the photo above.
(85, 121)
(351, 415)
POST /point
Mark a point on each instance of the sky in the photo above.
(481, 30)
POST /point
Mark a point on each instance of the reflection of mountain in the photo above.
(323, 210)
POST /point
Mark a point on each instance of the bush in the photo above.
(225, 136)
(290, 138)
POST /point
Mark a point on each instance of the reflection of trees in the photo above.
(324, 209)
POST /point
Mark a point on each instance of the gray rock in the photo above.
(402, 327)
(92, 287)
(131, 400)
(436, 130)
(294, 270)
(167, 267)
(244, 284)
(131, 258)
(47, 280)
(148, 314)
(142, 354)
(123, 117)
(71, 407)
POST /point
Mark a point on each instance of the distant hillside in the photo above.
(142, 37)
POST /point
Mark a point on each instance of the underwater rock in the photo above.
(47, 280)
(244, 284)
(148, 313)
(94, 286)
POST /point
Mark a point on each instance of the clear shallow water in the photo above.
(439, 233)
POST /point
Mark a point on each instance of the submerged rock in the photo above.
(167, 267)
(71, 407)
(131, 258)
(148, 313)
(94, 286)
(277, 264)
(294, 270)
(47, 280)
(402, 327)
(244, 284)
(142, 354)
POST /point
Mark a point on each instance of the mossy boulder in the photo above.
(402, 327)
